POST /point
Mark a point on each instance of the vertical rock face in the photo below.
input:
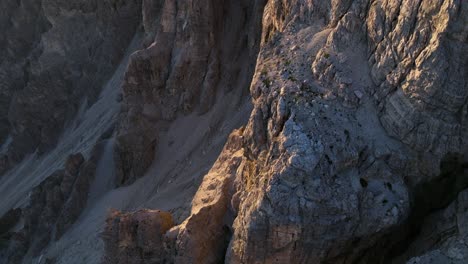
(356, 146)
(332, 157)
(420, 67)
(55, 54)
(212, 208)
(200, 50)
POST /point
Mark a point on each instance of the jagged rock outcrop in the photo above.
(212, 209)
(53, 207)
(200, 50)
(46, 200)
(131, 238)
(55, 55)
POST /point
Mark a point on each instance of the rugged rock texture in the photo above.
(332, 159)
(200, 50)
(54, 54)
(212, 209)
(131, 238)
(53, 207)
(355, 151)
(423, 76)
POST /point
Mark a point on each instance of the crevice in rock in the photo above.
(433, 196)
(428, 198)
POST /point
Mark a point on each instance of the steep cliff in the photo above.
(351, 145)
(332, 164)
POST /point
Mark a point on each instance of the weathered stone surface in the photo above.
(358, 105)
(420, 68)
(328, 171)
(212, 209)
(136, 238)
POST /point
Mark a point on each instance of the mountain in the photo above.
(248, 131)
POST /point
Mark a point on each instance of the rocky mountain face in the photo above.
(55, 54)
(54, 205)
(355, 149)
(195, 52)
